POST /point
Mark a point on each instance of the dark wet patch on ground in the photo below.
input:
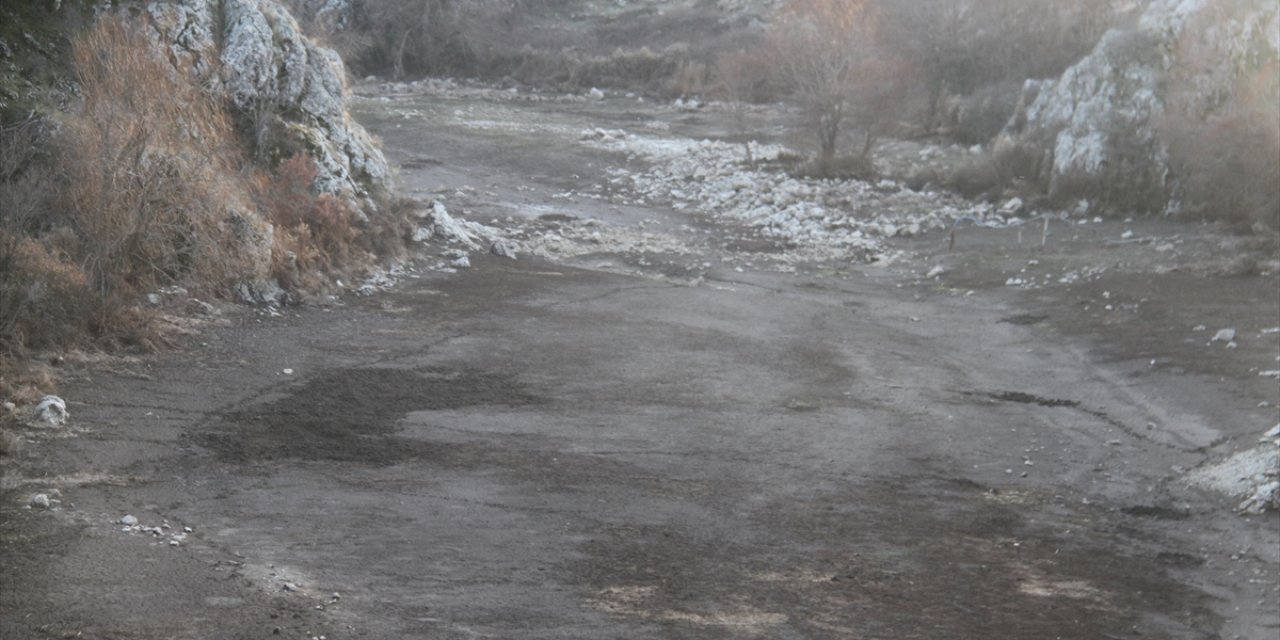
(1157, 512)
(1022, 397)
(1025, 319)
(894, 558)
(352, 415)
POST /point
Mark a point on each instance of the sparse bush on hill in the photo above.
(966, 52)
(1229, 169)
(142, 183)
(315, 235)
(1222, 127)
(828, 57)
(150, 167)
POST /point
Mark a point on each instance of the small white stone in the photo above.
(1273, 432)
(287, 372)
(129, 521)
(502, 250)
(1224, 335)
(289, 586)
(40, 500)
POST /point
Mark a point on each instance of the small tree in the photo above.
(738, 77)
(827, 55)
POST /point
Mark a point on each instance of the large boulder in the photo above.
(289, 89)
(1099, 124)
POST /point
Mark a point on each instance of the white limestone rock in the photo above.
(268, 68)
(1099, 119)
(51, 411)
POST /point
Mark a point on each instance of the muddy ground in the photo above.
(670, 437)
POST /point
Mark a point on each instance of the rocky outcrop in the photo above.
(288, 88)
(1100, 122)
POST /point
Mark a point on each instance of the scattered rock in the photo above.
(287, 372)
(450, 229)
(461, 263)
(596, 94)
(202, 307)
(1012, 207)
(129, 521)
(1252, 476)
(1224, 335)
(52, 411)
(266, 291)
(502, 250)
(290, 587)
(1266, 496)
(40, 500)
(1272, 434)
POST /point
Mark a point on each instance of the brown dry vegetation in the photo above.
(142, 183)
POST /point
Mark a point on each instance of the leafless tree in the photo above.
(828, 55)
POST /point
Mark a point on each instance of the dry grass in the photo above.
(25, 381)
(150, 162)
(316, 235)
(1229, 169)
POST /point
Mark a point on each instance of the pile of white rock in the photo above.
(825, 218)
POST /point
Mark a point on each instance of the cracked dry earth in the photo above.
(608, 447)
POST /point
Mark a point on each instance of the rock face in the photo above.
(254, 53)
(1100, 121)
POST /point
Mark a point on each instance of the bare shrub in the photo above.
(316, 235)
(10, 443)
(738, 78)
(827, 54)
(431, 37)
(974, 177)
(1222, 120)
(1020, 164)
(859, 167)
(24, 190)
(25, 381)
(1229, 168)
(690, 78)
(921, 178)
(961, 47)
(148, 161)
(51, 302)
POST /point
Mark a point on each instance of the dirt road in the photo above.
(634, 444)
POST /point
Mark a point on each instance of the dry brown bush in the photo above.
(316, 235)
(970, 47)
(838, 168)
(829, 56)
(150, 165)
(1222, 120)
(1229, 168)
(973, 177)
(25, 381)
